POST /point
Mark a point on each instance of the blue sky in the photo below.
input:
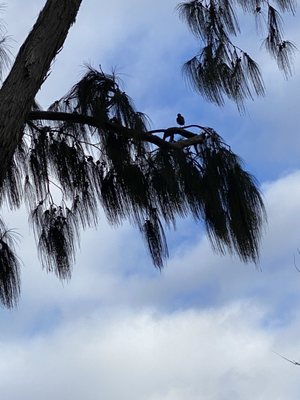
(205, 327)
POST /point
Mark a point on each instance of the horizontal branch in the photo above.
(180, 131)
(150, 137)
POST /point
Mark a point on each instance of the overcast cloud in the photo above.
(205, 327)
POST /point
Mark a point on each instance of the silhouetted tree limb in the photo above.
(74, 118)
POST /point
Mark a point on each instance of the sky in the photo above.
(206, 326)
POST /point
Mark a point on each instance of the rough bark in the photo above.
(29, 71)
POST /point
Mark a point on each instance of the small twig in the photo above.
(287, 359)
(295, 264)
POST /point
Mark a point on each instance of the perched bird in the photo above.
(180, 120)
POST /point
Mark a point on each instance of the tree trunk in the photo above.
(29, 72)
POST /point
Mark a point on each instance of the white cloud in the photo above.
(113, 270)
(148, 355)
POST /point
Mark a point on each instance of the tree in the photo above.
(92, 148)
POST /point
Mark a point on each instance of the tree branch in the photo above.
(150, 137)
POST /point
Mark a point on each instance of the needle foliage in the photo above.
(221, 69)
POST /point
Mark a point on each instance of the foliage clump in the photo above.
(222, 69)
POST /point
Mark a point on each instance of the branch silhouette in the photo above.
(287, 359)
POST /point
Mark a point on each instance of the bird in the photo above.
(180, 120)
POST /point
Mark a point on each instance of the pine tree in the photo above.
(93, 149)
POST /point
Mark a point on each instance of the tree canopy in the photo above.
(92, 149)
(222, 69)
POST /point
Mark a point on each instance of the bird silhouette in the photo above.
(180, 120)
